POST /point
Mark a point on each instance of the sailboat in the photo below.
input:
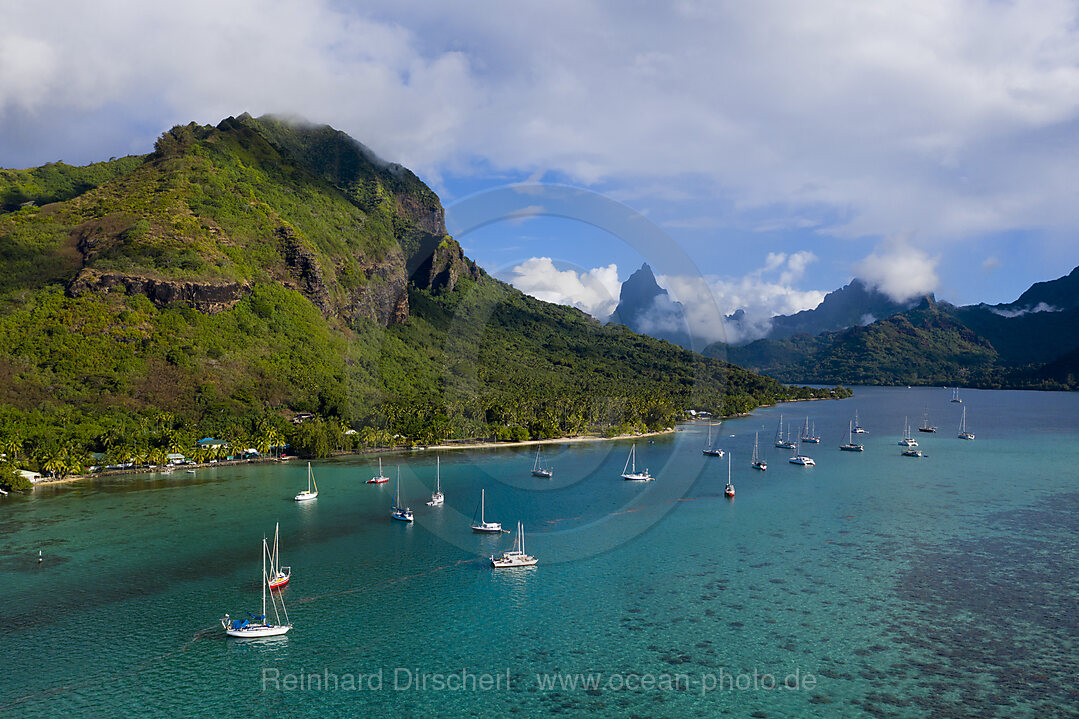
(908, 440)
(709, 450)
(538, 470)
(630, 473)
(801, 459)
(437, 498)
(728, 491)
(955, 395)
(808, 435)
(757, 462)
(399, 512)
(516, 557)
(483, 525)
(858, 429)
(926, 427)
(380, 479)
(850, 446)
(279, 575)
(780, 442)
(963, 433)
(259, 626)
(312, 489)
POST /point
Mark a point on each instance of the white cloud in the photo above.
(991, 263)
(951, 118)
(1040, 307)
(594, 291)
(899, 270)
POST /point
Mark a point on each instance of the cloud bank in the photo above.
(949, 117)
(594, 291)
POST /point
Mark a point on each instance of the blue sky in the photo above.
(782, 146)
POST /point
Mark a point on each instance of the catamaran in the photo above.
(312, 489)
(630, 473)
(963, 433)
(258, 626)
(908, 440)
(279, 575)
(926, 427)
(516, 557)
(709, 450)
(858, 429)
(437, 498)
(809, 436)
(757, 462)
(379, 479)
(850, 446)
(538, 470)
(728, 491)
(955, 395)
(398, 511)
(801, 459)
(483, 525)
(912, 452)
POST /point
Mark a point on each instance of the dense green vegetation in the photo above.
(315, 251)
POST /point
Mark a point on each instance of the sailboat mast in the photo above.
(264, 579)
(438, 471)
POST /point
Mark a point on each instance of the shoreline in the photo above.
(575, 439)
(182, 468)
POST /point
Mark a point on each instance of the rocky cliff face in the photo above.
(206, 297)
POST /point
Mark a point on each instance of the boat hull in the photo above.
(489, 528)
(542, 473)
(306, 496)
(378, 480)
(802, 461)
(851, 448)
(507, 562)
(712, 452)
(762, 466)
(402, 516)
(254, 631)
(638, 477)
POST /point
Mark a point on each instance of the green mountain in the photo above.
(1030, 343)
(243, 273)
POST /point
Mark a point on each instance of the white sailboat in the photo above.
(312, 489)
(955, 395)
(279, 575)
(908, 440)
(809, 436)
(437, 498)
(728, 491)
(926, 427)
(801, 459)
(850, 446)
(709, 450)
(259, 626)
(963, 433)
(399, 511)
(516, 557)
(379, 478)
(538, 470)
(858, 429)
(483, 525)
(757, 462)
(630, 473)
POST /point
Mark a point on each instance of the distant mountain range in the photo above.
(858, 335)
(1030, 343)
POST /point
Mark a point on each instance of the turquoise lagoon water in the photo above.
(942, 586)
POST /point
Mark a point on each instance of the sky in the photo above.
(780, 147)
